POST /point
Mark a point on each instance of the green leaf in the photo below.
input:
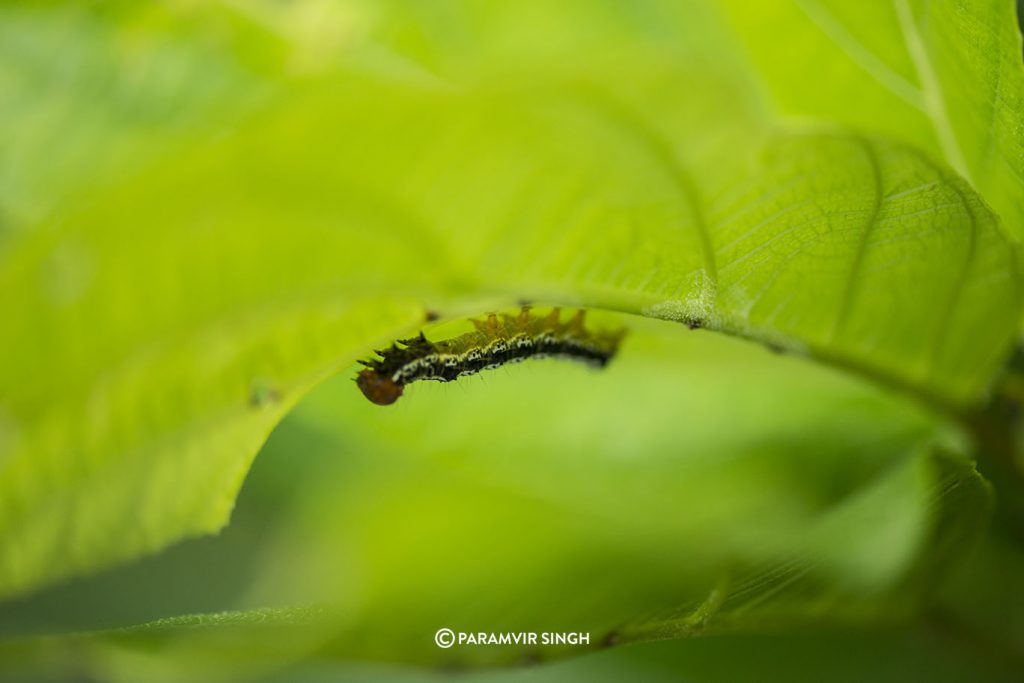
(946, 77)
(92, 96)
(167, 317)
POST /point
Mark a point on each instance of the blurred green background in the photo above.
(210, 211)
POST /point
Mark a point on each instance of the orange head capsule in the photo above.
(380, 389)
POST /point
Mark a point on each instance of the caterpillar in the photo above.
(495, 341)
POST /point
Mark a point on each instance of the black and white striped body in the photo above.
(447, 367)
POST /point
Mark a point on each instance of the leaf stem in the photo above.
(996, 429)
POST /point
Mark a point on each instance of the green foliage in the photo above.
(942, 76)
(207, 211)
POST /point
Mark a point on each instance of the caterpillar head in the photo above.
(380, 389)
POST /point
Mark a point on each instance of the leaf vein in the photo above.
(862, 56)
(942, 331)
(935, 102)
(853, 277)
